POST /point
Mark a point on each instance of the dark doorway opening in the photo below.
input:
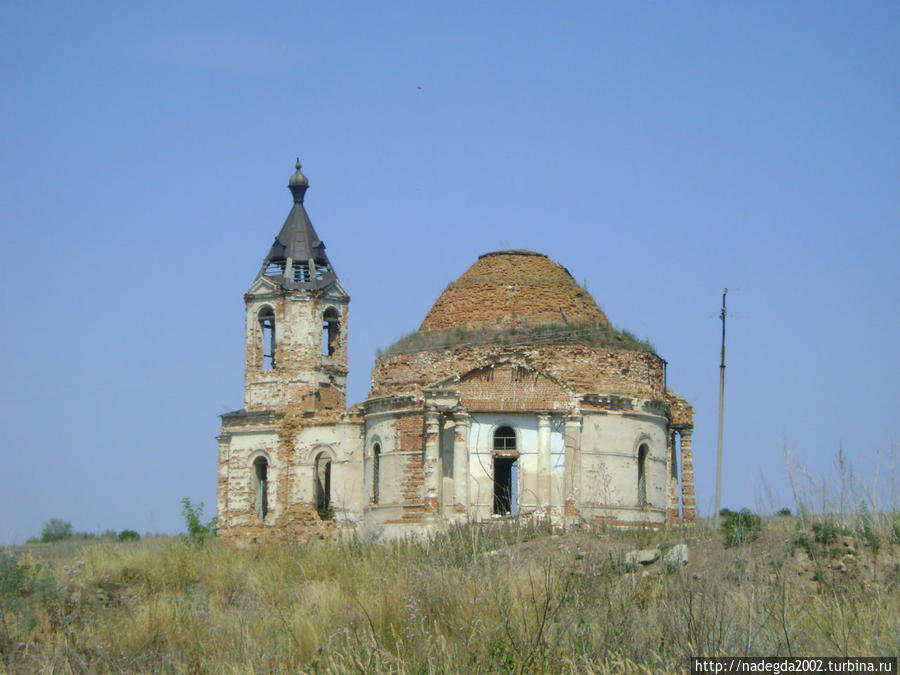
(506, 485)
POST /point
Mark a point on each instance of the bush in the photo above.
(128, 535)
(803, 541)
(784, 512)
(198, 532)
(13, 578)
(741, 527)
(56, 530)
(827, 532)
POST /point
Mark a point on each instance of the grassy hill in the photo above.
(502, 597)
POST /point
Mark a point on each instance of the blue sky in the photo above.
(660, 151)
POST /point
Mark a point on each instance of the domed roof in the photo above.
(298, 183)
(512, 289)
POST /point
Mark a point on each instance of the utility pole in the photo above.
(722, 316)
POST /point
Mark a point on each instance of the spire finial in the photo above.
(298, 184)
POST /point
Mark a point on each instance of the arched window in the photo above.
(643, 451)
(261, 467)
(331, 330)
(267, 328)
(505, 439)
(376, 460)
(323, 485)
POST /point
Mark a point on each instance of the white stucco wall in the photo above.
(240, 491)
(344, 444)
(609, 465)
(481, 468)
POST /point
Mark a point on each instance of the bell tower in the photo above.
(296, 331)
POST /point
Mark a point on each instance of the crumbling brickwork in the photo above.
(583, 368)
(513, 288)
(299, 524)
(682, 414)
(299, 368)
(409, 430)
(508, 387)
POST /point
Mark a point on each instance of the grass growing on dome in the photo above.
(596, 335)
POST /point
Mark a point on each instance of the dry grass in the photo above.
(515, 598)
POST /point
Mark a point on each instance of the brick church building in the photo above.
(516, 397)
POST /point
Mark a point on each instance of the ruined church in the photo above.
(515, 397)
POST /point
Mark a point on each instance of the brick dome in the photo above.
(513, 289)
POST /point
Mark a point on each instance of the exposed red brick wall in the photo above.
(682, 414)
(409, 430)
(297, 356)
(330, 398)
(510, 387)
(513, 288)
(411, 492)
(298, 524)
(688, 500)
(583, 368)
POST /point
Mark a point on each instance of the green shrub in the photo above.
(867, 529)
(56, 530)
(198, 532)
(13, 578)
(828, 531)
(741, 527)
(784, 512)
(128, 535)
(804, 542)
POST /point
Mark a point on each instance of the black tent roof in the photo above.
(298, 242)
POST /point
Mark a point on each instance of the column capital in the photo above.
(461, 416)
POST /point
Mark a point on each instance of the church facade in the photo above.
(516, 397)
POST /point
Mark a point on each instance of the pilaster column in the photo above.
(461, 462)
(431, 465)
(543, 462)
(688, 505)
(573, 470)
(222, 496)
(672, 513)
